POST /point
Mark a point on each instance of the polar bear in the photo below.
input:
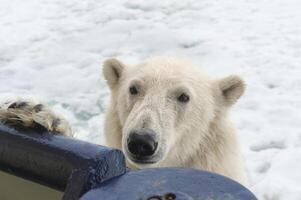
(163, 112)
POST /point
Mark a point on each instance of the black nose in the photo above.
(142, 144)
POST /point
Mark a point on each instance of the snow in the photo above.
(53, 50)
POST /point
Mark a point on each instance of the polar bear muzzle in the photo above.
(141, 146)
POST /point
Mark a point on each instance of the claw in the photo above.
(38, 108)
(13, 105)
(56, 122)
(21, 104)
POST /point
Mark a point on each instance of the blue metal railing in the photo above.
(88, 171)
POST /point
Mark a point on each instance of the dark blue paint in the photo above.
(91, 172)
(59, 162)
(186, 184)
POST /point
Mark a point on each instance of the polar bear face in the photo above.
(163, 107)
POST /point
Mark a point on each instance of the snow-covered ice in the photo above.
(53, 49)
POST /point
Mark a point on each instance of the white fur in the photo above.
(28, 113)
(197, 134)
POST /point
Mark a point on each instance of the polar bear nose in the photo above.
(142, 144)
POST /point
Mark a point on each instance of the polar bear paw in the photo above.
(29, 114)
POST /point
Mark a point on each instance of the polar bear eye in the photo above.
(134, 90)
(183, 98)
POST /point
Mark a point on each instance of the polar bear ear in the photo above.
(112, 71)
(232, 88)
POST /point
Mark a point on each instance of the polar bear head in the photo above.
(162, 110)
